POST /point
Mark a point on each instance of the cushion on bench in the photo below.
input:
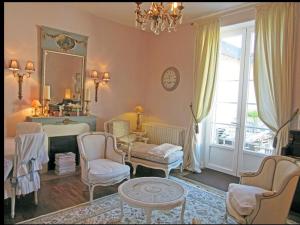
(140, 150)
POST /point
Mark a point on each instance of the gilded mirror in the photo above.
(63, 57)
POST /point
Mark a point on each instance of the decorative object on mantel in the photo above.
(87, 100)
(161, 17)
(139, 110)
(36, 105)
(97, 80)
(15, 67)
(47, 99)
(170, 78)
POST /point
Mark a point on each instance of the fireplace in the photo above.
(62, 138)
(62, 144)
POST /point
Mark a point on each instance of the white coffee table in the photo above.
(152, 193)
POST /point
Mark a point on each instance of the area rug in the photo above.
(202, 206)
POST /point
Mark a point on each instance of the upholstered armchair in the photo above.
(102, 164)
(264, 196)
(121, 130)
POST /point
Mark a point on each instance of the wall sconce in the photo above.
(105, 78)
(15, 67)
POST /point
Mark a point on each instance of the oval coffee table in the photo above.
(152, 193)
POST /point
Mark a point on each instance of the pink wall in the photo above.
(135, 59)
(170, 49)
(111, 47)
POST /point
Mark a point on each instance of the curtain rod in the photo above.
(227, 12)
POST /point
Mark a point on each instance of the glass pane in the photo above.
(224, 134)
(251, 93)
(259, 140)
(228, 91)
(229, 63)
(226, 113)
(258, 137)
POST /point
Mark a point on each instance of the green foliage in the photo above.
(253, 114)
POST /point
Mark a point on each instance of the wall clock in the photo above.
(170, 79)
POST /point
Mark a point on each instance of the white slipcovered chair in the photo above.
(30, 154)
(102, 164)
(264, 196)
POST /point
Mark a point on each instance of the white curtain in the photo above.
(205, 66)
(273, 66)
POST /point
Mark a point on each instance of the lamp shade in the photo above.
(106, 77)
(139, 109)
(35, 103)
(14, 65)
(29, 67)
(94, 74)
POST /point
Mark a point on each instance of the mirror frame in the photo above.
(62, 42)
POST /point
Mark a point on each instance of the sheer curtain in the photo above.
(205, 65)
(273, 66)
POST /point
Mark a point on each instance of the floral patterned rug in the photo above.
(203, 206)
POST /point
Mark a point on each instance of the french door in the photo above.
(237, 139)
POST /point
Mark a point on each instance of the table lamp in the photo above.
(35, 105)
(139, 110)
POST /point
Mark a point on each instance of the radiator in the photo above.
(162, 133)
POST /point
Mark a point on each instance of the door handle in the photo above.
(236, 124)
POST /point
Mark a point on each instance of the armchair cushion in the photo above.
(106, 171)
(127, 138)
(242, 197)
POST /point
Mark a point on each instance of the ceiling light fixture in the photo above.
(160, 17)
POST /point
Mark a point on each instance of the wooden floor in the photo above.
(59, 192)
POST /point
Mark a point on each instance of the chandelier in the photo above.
(160, 17)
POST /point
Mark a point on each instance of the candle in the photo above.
(68, 93)
(47, 92)
(88, 94)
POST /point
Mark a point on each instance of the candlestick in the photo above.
(47, 92)
(88, 94)
(87, 107)
(46, 107)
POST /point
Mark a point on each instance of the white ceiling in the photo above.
(123, 12)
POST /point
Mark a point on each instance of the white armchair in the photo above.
(121, 130)
(102, 164)
(264, 196)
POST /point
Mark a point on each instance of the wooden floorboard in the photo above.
(60, 192)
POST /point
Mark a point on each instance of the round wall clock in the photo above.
(170, 79)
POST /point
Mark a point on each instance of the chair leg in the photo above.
(181, 168)
(36, 201)
(167, 171)
(91, 188)
(226, 216)
(13, 201)
(134, 168)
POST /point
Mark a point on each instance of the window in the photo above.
(235, 121)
